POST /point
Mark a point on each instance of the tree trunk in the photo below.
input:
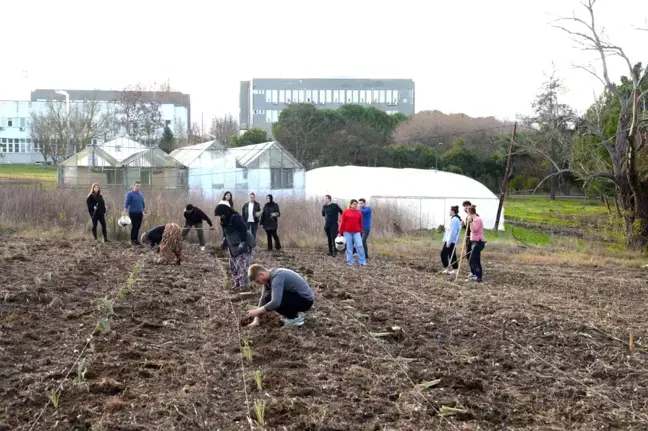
(634, 211)
(554, 186)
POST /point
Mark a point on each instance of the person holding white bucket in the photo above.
(351, 229)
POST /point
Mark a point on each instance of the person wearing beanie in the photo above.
(194, 217)
(239, 241)
(450, 238)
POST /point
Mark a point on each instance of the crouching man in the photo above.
(284, 291)
(169, 239)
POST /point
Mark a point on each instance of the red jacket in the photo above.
(351, 221)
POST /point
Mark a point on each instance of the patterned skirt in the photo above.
(239, 266)
(171, 244)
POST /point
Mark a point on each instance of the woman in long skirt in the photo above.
(237, 242)
(171, 244)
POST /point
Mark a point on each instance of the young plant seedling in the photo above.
(258, 379)
(106, 307)
(259, 409)
(54, 396)
(247, 351)
(81, 370)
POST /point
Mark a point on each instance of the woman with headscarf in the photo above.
(97, 211)
(237, 241)
(269, 216)
(169, 238)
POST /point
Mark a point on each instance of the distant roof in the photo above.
(171, 97)
(187, 155)
(249, 153)
(127, 147)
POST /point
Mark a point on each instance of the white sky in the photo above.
(473, 56)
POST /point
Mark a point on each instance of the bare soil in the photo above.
(535, 347)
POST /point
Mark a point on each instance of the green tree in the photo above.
(254, 135)
(167, 142)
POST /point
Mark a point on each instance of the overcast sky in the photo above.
(477, 57)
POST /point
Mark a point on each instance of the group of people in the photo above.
(473, 246)
(354, 226)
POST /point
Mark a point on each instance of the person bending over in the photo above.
(284, 291)
(194, 217)
(169, 239)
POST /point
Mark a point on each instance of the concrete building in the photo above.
(261, 100)
(16, 144)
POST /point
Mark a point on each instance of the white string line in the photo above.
(240, 340)
(60, 386)
(554, 367)
(416, 388)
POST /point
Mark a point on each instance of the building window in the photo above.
(281, 178)
(268, 97)
(388, 97)
(3, 147)
(309, 96)
(375, 96)
(275, 96)
(395, 96)
(269, 116)
(9, 122)
(322, 96)
(315, 98)
(301, 96)
(329, 96)
(349, 97)
(404, 100)
(381, 96)
(282, 96)
(295, 96)
(355, 96)
(22, 122)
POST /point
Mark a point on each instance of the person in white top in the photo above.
(251, 211)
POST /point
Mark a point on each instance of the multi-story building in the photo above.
(261, 100)
(16, 144)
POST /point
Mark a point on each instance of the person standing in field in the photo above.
(331, 212)
(477, 244)
(169, 239)
(351, 229)
(238, 241)
(468, 247)
(135, 207)
(227, 196)
(97, 211)
(284, 291)
(194, 217)
(366, 224)
(450, 238)
(270, 222)
(250, 212)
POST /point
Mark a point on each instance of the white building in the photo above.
(423, 196)
(16, 145)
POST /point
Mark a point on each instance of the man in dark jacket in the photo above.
(194, 217)
(251, 212)
(331, 211)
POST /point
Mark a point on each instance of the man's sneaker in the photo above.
(471, 277)
(445, 271)
(297, 321)
(202, 248)
(452, 272)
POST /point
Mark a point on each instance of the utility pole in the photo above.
(505, 181)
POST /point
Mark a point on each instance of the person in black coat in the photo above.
(97, 211)
(270, 222)
(238, 240)
(250, 212)
(194, 217)
(331, 212)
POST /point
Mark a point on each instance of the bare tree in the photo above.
(223, 128)
(554, 124)
(139, 114)
(42, 136)
(624, 147)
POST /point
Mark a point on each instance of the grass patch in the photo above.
(560, 212)
(28, 172)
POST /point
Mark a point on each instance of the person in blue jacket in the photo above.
(366, 223)
(135, 207)
(450, 238)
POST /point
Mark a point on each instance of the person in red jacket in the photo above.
(351, 229)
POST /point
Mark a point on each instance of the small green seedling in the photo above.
(258, 379)
(425, 384)
(450, 411)
(81, 370)
(54, 396)
(247, 351)
(106, 307)
(104, 325)
(259, 409)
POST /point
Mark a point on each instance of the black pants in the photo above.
(291, 304)
(199, 231)
(252, 227)
(331, 234)
(446, 252)
(136, 224)
(272, 233)
(468, 249)
(101, 219)
(475, 258)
